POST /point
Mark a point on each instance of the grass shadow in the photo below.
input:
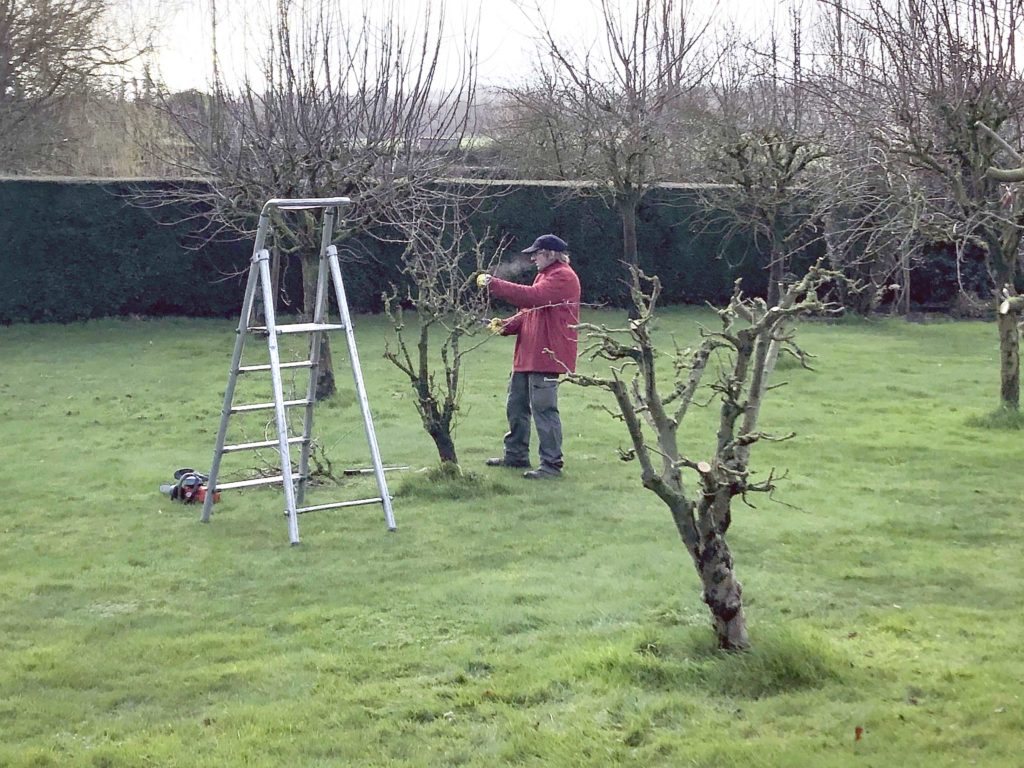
(780, 661)
(999, 419)
(446, 482)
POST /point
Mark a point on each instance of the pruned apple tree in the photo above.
(441, 258)
(653, 399)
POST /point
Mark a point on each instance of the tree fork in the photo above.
(1011, 305)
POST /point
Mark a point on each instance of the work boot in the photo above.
(501, 461)
(543, 473)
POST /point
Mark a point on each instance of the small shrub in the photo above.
(788, 362)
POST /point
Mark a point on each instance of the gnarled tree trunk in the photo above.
(703, 535)
(1002, 265)
(723, 593)
(445, 445)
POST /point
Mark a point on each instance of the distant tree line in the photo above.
(848, 127)
(829, 125)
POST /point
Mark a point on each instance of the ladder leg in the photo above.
(236, 358)
(319, 316)
(357, 375)
(279, 409)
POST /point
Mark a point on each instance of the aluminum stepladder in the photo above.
(259, 278)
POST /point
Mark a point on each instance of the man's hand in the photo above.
(482, 280)
(496, 324)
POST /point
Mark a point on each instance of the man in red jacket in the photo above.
(545, 348)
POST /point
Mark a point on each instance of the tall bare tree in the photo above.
(653, 410)
(917, 80)
(766, 151)
(50, 50)
(342, 106)
(610, 117)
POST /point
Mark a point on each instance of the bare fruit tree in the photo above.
(917, 78)
(653, 411)
(341, 106)
(609, 118)
(765, 152)
(440, 261)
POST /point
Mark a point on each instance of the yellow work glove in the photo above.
(482, 280)
(495, 325)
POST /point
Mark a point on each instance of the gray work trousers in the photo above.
(535, 393)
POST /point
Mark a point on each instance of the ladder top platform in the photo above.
(286, 204)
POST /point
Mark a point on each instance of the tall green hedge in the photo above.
(676, 237)
(73, 251)
(78, 250)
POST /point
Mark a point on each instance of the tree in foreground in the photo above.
(653, 411)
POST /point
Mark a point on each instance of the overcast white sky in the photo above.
(505, 33)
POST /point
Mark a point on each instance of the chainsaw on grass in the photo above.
(188, 487)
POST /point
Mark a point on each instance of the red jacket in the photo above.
(545, 340)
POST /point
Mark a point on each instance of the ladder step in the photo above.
(336, 505)
(299, 327)
(299, 364)
(266, 406)
(257, 481)
(370, 470)
(261, 444)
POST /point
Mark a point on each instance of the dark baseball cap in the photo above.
(547, 243)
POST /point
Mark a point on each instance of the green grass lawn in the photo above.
(505, 622)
